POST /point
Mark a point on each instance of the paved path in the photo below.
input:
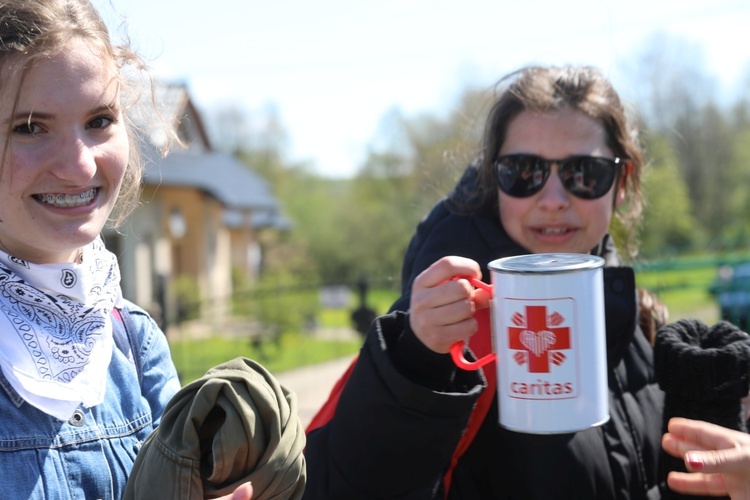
(313, 384)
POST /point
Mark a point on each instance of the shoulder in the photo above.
(135, 311)
(439, 234)
(136, 316)
(140, 325)
(438, 220)
(453, 232)
(458, 206)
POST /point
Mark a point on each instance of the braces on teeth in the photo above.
(64, 200)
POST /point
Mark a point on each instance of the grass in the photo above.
(292, 350)
(684, 291)
(379, 300)
(683, 283)
(335, 318)
(193, 357)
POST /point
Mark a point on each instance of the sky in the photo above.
(332, 69)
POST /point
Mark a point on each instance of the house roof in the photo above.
(199, 167)
(218, 174)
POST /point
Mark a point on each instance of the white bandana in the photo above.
(55, 328)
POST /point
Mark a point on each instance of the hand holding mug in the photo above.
(442, 307)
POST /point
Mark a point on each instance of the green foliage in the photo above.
(682, 284)
(381, 299)
(668, 227)
(187, 298)
(379, 222)
(337, 318)
(194, 357)
(704, 150)
(278, 303)
(736, 232)
(361, 227)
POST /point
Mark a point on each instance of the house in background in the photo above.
(199, 221)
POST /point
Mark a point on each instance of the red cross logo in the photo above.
(539, 338)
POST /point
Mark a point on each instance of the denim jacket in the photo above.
(90, 455)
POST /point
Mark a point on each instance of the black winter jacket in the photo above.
(404, 408)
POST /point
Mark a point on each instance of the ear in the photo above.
(620, 195)
(622, 184)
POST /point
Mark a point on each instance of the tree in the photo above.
(678, 101)
(737, 231)
(668, 80)
(412, 163)
(668, 225)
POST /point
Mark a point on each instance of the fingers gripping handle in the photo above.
(457, 349)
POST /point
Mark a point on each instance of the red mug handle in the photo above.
(457, 349)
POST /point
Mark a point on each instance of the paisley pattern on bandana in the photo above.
(60, 316)
(58, 332)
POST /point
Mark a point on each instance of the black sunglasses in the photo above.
(587, 177)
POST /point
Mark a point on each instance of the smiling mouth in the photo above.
(67, 200)
(553, 230)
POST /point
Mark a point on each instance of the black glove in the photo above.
(704, 373)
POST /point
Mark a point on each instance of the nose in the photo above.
(553, 195)
(75, 161)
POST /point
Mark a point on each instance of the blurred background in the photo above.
(319, 133)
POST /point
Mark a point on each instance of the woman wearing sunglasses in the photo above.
(559, 159)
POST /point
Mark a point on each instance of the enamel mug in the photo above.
(549, 341)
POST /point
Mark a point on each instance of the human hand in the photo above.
(441, 307)
(718, 459)
(243, 492)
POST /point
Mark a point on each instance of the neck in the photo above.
(75, 256)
